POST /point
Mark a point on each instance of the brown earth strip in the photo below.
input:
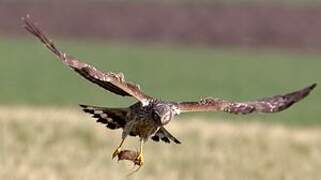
(212, 24)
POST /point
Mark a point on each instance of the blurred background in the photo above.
(176, 50)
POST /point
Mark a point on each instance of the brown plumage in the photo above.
(266, 105)
(148, 116)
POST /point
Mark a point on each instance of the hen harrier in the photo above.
(149, 115)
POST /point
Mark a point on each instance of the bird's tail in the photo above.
(114, 118)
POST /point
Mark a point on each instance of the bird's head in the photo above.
(162, 113)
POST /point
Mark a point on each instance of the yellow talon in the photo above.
(139, 160)
(116, 152)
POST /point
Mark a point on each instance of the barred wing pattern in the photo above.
(113, 82)
(265, 105)
(113, 118)
(163, 135)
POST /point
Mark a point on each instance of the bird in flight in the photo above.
(148, 116)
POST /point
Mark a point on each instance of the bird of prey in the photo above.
(148, 116)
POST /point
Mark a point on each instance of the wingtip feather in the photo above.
(82, 105)
(313, 86)
(306, 91)
(23, 18)
(177, 141)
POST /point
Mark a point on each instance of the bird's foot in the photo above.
(116, 153)
(139, 160)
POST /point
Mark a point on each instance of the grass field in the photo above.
(56, 143)
(30, 75)
(43, 134)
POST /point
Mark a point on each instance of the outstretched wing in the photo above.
(110, 81)
(266, 105)
(113, 118)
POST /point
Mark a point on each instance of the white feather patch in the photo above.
(98, 112)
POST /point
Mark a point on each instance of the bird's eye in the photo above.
(155, 116)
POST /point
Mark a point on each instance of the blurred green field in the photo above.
(31, 75)
(64, 144)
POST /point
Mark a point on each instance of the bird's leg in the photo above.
(140, 158)
(118, 150)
